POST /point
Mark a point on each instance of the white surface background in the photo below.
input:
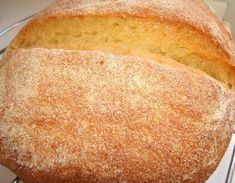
(14, 10)
(230, 15)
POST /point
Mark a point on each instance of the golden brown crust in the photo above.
(88, 116)
(192, 12)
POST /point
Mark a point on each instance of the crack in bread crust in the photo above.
(147, 37)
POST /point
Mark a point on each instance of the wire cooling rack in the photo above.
(231, 166)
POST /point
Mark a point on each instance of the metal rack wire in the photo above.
(14, 25)
(231, 168)
(16, 180)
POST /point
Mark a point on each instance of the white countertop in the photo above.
(14, 10)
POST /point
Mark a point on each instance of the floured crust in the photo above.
(123, 119)
(192, 12)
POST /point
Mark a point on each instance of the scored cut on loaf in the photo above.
(90, 116)
(184, 30)
(118, 91)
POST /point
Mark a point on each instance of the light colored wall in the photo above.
(14, 10)
(225, 9)
(230, 15)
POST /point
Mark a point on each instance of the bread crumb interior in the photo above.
(144, 37)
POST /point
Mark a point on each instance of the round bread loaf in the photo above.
(118, 91)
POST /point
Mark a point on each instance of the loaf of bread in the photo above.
(118, 91)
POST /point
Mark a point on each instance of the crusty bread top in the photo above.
(193, 12)
(98, 117)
